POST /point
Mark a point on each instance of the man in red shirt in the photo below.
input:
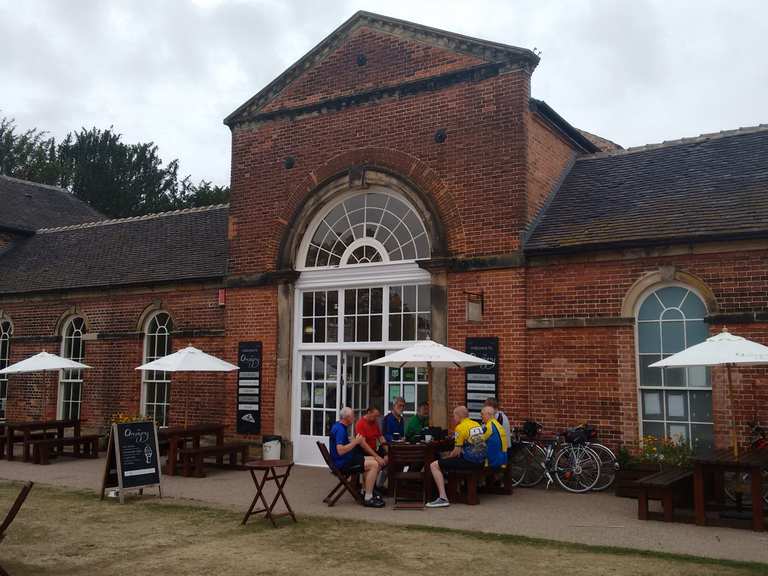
(368, 428)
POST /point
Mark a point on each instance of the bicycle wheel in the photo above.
(577, 468)
(738, 487)
(607, 466)
(527, 465)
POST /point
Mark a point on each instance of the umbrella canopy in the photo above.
(724, 348)
(43, 362)
(428, 354)
(188, 359)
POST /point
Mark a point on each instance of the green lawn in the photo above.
(73, 533)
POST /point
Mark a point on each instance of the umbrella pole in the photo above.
(186, 403)
(734, 441)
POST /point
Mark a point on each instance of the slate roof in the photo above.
(172, 246)
(714, 186)
(28, 206)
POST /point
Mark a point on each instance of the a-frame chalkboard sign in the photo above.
(133, 458)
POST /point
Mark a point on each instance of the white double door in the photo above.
(327, 381)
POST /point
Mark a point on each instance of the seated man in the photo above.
(500, 416)
(375, 444)
(495, 439)
(347, 453)
(417, 422)
(393, 422)
(469, 452)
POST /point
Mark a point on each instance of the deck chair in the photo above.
(12, 514)
(349, 481)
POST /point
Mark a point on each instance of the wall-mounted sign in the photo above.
(249, 388)
(481, 381)
(133, 458)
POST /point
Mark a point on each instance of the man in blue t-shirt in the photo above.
(394, 423)
(346, 454)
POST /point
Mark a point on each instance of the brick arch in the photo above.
(414, 178)
(663, 275)
(67, 316)
(155, 307)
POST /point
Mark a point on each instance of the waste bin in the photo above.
(271, 447)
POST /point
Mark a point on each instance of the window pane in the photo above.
(306, 394)
(395, 321)
(395, 299)
(317, 422)
(362, 328)
(307, 330)
(409, 298)
(703, 438)
(654, 429)
(331, 368)
(652, 405)
(330, 395)
(698, 376)
(425, 299)
(319, 368)
(306, 422)
(349, 329)
(307, 303)
(376, 300)
(409, 327)
(651, 309)
(693, 307)
(672, 296)
(329, 420)
(648, 336)
(319, 329)
(306, 367)
(375, 328)
(672, 337)
(674, 377)
(701, 406)
(424, 326)
(363, 301)
(319, 303)
(678, 432)
(333, 329)
(649, 376)
(677, 405)
(696, 332)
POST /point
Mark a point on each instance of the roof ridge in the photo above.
(686, 140)
(143, 217)
(37, 184)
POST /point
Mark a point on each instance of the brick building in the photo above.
(398, 183)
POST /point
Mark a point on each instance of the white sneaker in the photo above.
(438, 503)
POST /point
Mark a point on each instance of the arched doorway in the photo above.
(360, 294)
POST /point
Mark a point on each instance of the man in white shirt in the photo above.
(500, 416)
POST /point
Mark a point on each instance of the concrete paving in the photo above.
(598, 519)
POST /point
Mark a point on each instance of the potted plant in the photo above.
(655, 455)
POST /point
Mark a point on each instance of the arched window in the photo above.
(71, 381)
(6, 330)
(156, 385)
(367, 228)
(675, 402)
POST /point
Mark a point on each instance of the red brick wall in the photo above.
(390, 60)
(476, 178)
(548, 157)
(112, 385)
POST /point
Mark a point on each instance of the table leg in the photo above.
(259, 496)
(10, 434)
(170, 465)
(27, 444)
(698, 494)
(280, 494)
(757, 500)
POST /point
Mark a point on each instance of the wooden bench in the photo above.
(668, 486)
(193, 459)
(472, 478)
(82, 447)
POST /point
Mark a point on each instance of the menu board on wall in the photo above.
(481, 381)
(249, 388)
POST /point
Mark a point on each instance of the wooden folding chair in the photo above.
(349, 480)
(12, 514)
(408, 463)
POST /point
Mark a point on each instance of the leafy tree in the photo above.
(116, 178)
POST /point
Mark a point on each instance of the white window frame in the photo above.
(165, 381)
(640, 417)
(6, 332)
(301, 258)
(64, 381)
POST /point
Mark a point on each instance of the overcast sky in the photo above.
(169, 71)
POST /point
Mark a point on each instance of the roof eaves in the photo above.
(547, 113)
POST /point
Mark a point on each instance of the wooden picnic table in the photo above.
(177, 436)
(28, 428)
(714, 464)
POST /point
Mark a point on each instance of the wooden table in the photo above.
(177, 436)
(27, 428)
(715, 463)
(401, 454)
(270, 473)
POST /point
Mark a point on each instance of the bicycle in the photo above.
(608, 463)
(738, 486)
(573, 465)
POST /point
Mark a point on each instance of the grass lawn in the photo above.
(73, 533)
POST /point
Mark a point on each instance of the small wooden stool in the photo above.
(269, 468)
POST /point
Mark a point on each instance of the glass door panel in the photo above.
(318, 395)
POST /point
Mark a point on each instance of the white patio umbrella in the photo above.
(188, 359)
(428, 354)
(43, 362)
(723, 349)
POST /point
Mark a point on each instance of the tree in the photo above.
(116, 178)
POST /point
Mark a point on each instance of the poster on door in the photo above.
(481, 382)
(249, 388)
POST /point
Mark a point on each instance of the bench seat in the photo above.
(84, 446)
(668, 486)
(471, 478)
(193, 459)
